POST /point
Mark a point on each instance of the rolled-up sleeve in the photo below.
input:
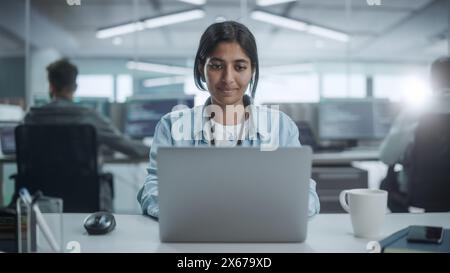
(148, 194)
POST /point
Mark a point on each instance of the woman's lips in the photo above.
(227, 90)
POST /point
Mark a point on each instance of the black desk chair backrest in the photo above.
(61, 161)
(306, 135)
(429, 165)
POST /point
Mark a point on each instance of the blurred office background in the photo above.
(342, 67)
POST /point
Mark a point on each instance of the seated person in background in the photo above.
(401, 136)
(227, 62)
(62, 77)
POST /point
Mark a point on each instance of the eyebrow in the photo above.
(236, 61)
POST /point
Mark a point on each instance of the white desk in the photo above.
(345, 157)
(326, 233)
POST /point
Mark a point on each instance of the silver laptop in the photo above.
(236, 194)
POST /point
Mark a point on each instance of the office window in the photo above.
(387, 86)
(124, 87)
(288, 88)
(344, 86)
(413, 90)
(95, 86)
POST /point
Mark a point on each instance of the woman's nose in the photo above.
(227, 75)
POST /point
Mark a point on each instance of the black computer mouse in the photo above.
(100, 222)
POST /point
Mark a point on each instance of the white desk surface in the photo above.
(345, 157)
(326, 233)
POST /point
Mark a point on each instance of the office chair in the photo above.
(306, 135)
(429, 164)
(397, 201)
(61, 161)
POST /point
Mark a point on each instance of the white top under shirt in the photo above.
(228, 135)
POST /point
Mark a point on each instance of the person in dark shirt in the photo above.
(395, 147)
(62, 77)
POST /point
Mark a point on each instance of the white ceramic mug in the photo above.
(367, 210)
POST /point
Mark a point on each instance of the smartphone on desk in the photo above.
(425, 234)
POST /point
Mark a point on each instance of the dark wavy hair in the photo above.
(228, 31)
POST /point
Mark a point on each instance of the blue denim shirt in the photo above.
(167, 133)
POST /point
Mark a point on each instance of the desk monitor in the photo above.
(355, 119)
(384, 114)
(7, 140)
(40, 101)
(99, 104)
(143, 115)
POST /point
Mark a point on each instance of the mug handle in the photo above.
(343, 201)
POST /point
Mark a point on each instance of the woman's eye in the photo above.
(241, 68)
(215, 66)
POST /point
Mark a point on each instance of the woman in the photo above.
(227, 61)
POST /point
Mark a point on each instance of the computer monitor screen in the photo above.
(355, 119)
(7, 140)
(384, 113)
(143, 115)
(40, 101)
(101, 105)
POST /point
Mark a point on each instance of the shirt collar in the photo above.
(201, 120)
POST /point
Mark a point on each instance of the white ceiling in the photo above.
(396, 31)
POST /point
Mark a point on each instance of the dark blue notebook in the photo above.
(397, 243)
